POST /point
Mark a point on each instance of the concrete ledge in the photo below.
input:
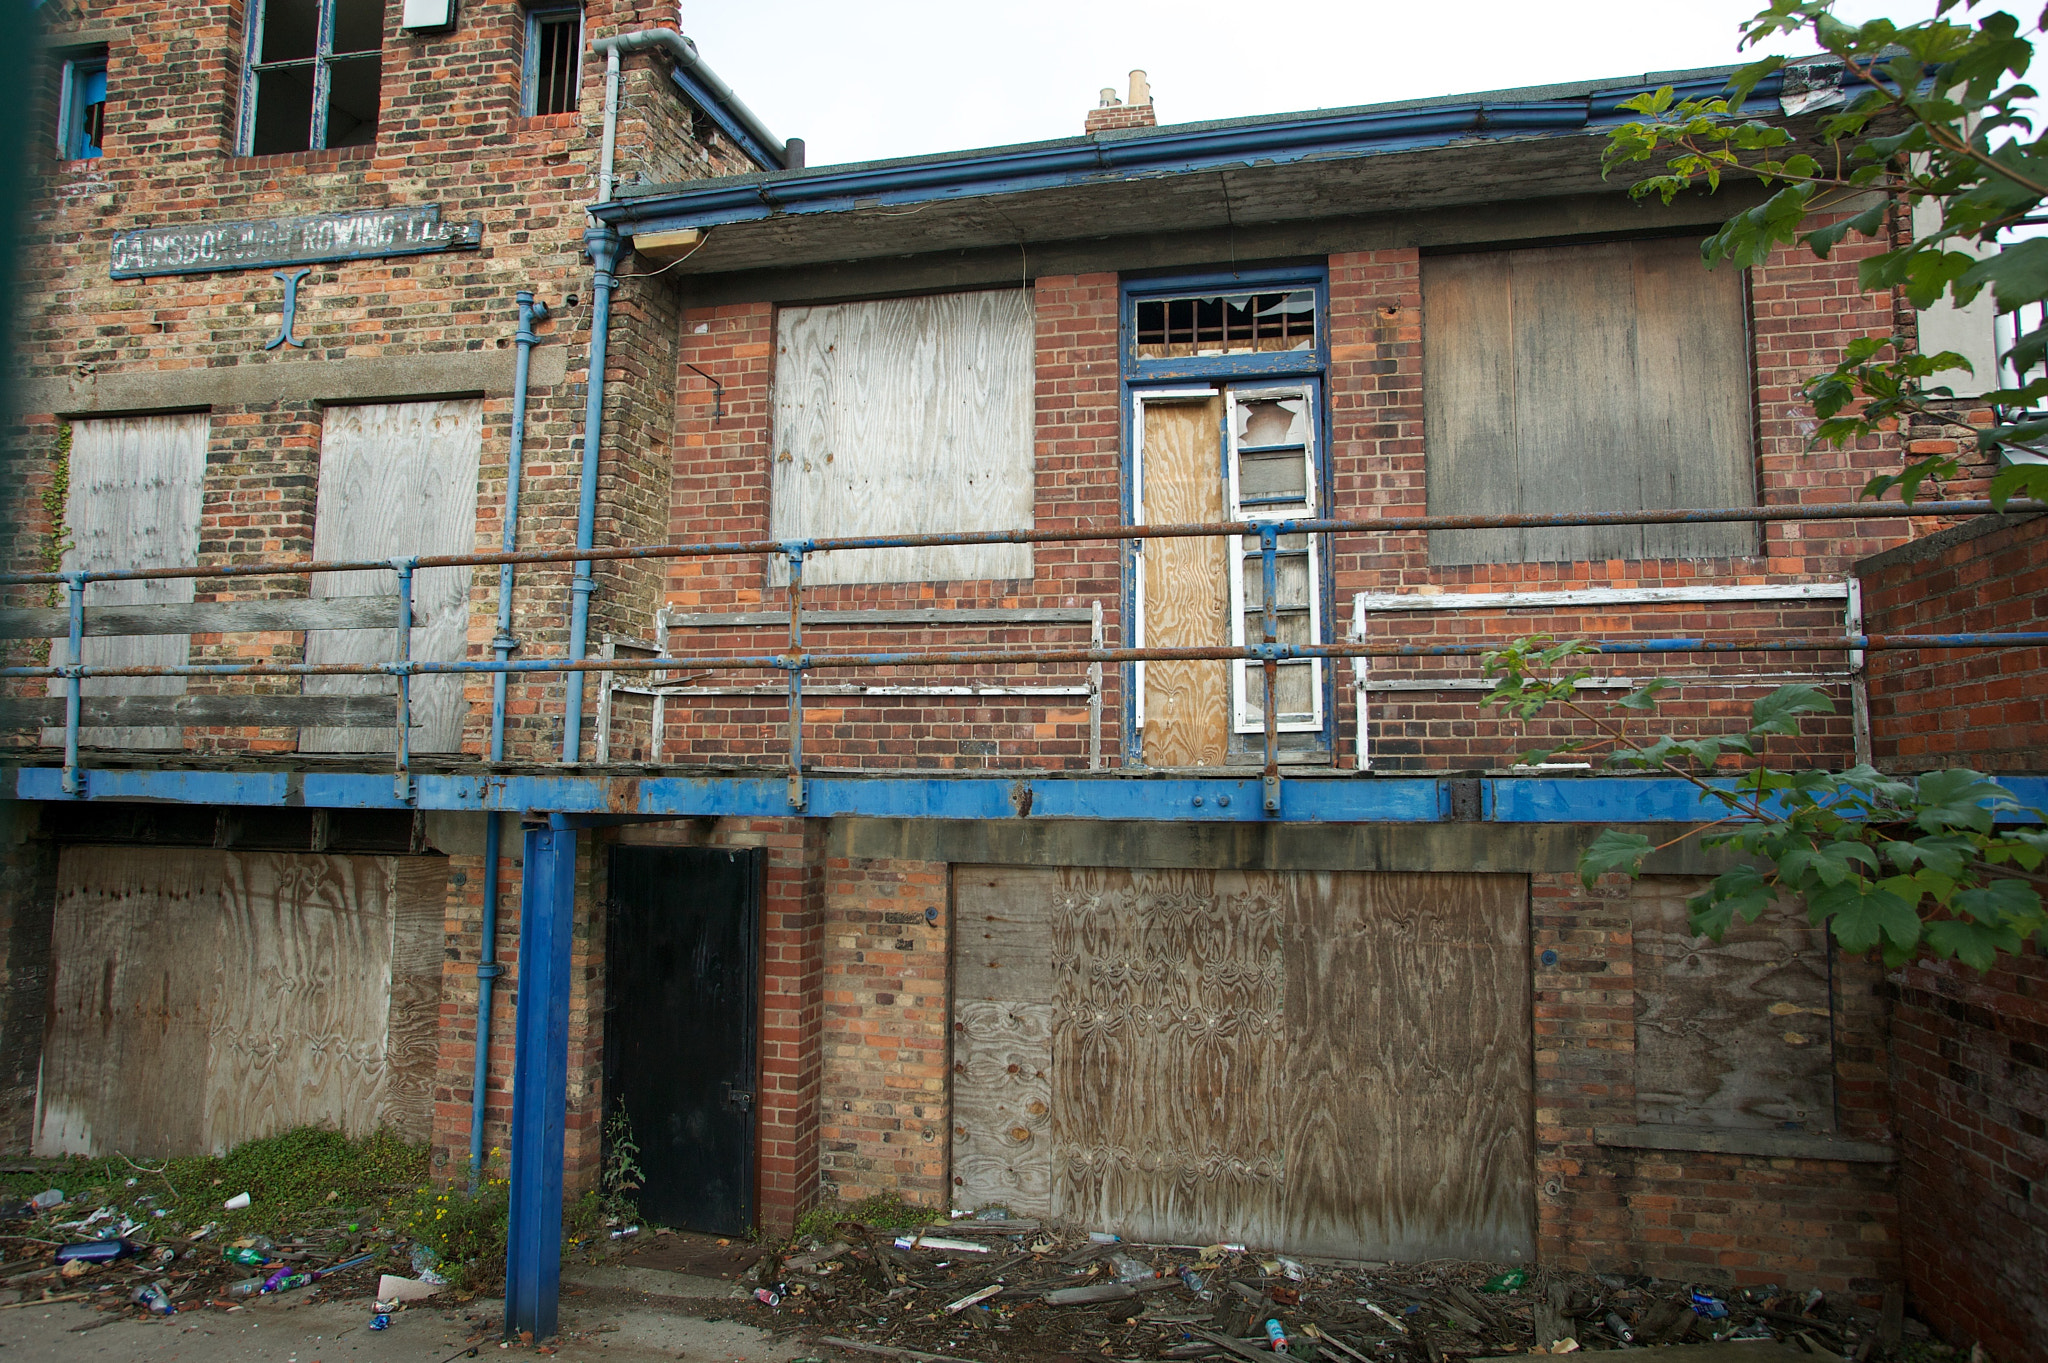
(255, 383)
(655, 1282)
(1766, 1144)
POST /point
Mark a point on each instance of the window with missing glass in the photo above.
(82, 120)
(554, 59)
(314, 72)
(1225, 324)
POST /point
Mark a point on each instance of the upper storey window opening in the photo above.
(554, 59)
(315, 67)
(82, 120)
(1226, 324)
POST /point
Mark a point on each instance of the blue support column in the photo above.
(540, 1082)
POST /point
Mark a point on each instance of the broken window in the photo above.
(83, 117)
(1226, 324)
(1272, 478)
(1610, 377)
(315, 70)
(554, 59)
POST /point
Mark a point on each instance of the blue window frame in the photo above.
(554, 59)
(1258, 341)
(82, 117)
(314, 75)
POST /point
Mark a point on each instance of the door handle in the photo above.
(732, 1097)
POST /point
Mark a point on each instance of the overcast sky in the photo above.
(863, 81)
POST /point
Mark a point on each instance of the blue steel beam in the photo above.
(1418, 798)
(540, 1083)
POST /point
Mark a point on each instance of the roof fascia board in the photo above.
(1172, 152)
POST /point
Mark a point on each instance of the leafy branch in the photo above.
(1944, 864)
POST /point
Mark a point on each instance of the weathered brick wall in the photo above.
(886, 1092)
(1708, 1217)
(1982, 708)
(1970, 1068)
(722, 493)
(450, 134)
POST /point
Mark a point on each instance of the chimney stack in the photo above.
(1111, 112)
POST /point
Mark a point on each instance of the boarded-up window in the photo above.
(1736, 1033)
(1586, 378)
(202, 998)
(905, 416)
(1333, 1063)
(397, 478)
(136, 486)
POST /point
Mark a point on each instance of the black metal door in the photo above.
(680, 1024)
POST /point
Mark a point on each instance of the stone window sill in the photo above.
(1766, 1144)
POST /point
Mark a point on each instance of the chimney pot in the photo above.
(1141, 89)
(1111, 113)
(1108, 99)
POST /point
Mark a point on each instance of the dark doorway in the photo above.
(680, 1027)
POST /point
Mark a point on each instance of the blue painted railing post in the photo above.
(540, 1083)
(1269, 568)
(795, 656)
(403, 746)
(73, 686)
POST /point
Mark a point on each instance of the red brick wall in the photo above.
(1982, 708)
(1715, 1218)
(886, 1095)
(721, 493)
(1970, 1068)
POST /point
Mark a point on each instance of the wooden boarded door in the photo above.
(681, 1026)
(136, 487)
(1184, 590)
(1329, 1062)
(202, 998)
(397, 478)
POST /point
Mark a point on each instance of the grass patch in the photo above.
(883, 1211)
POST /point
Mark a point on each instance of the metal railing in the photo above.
(796, 663)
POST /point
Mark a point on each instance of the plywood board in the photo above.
(1002, 1106)
(136, 489)
(1607, 377)
(1187, 595)
(1001, 921)
(1408, 1067)
(397, 478)
(1334, 1063)
(203, 997)
(1737, 1033)
(133, 956)
(905, 416)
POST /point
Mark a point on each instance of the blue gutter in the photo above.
(602, 245)
(1419, 798)
(1171, 151)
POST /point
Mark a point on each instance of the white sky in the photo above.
(863, 81)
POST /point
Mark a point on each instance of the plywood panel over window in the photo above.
(136, 485)
(1328, 1062)
(201, 998)
(1736, 1033)
(1612, 377)
(397, 478)
(905, 416)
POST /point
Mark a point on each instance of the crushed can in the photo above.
(767, 1297)
(381, 1321)
(1710, 1308)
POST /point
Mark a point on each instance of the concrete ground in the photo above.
(621, 1315)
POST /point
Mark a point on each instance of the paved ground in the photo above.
(622, 1315)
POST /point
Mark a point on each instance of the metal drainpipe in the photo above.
(602, 245)
(683, 53)
(487, 967)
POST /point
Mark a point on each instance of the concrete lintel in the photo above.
(376, 378)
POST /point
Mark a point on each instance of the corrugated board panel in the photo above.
(1335, 1063)
(397, 478)
(203, 998)
(1609, 377)
(136, 488)
(1187, 595)
(1736, 1033)
(905, 416)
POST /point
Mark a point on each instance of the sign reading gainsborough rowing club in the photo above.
(205, 248)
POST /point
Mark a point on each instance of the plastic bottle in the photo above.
(248, 1287)
(97, 1251)
(1278, 1335)
(47, 1199)
(155, 1297)
(247, 1255)
(1196, 1285)
(1131, 1269)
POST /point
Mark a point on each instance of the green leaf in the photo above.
(1959, 798)
(1778, 712)
(1973, 944)
(1870, 222)
(2007, 903)
(1613, 850)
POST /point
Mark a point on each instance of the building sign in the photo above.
(205, 248)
